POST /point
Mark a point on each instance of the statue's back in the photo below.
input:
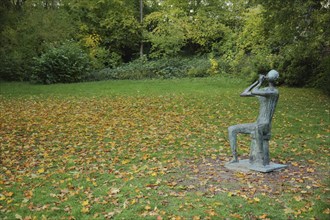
(267, 107)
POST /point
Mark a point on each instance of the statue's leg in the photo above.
(232, 133)
(262, 147)
(259, 137)
(266, 160)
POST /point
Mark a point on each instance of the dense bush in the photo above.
(162, 69)
(25, 34)
(66, 63)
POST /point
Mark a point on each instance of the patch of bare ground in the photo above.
(209, 176)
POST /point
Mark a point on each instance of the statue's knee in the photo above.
(231, 129)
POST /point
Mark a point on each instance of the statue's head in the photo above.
(272, 75)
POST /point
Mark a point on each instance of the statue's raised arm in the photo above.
(271, 76)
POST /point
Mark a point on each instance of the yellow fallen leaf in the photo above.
(28, 193)
(2, 197)
(238, 216)
(9, 201)
(41, 170)
(310, 170)
(264, 216)
(211, 212)
(85, 203)
(256, 199)
(17, 216)
(8, 194)
(85, 210)
(114, 191)
(288, 211)
(326, 211)
(298, 198)
(145, 157)
(295, 164)
(125, 162)
(230, 194)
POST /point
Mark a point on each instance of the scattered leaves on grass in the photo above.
(101, 156)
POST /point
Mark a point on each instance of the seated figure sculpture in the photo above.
(260, 130)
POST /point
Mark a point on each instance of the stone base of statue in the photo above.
(246, 165)
(259, 158)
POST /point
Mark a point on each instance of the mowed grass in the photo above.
(156, 149)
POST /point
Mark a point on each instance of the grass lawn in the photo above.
(156, 149)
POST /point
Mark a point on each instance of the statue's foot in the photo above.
(234, 160)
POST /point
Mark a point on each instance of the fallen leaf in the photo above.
(235, 215)
(288, 211)
(17, 216)
(326, 211)
(85, 210)
(41, 170)
(9, 194)
(2, 197)
(85, 203)
(264, 216)
(114, 191)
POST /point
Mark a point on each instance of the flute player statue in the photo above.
(260, 130)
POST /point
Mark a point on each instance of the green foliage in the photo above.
(298, 33)
(142, 69)
(26, 35)
(66, 63)
(180, 27)
(115, 25)
(246, 52)
(322, 78)
(166, 32)
(160, 69)
(246, 38)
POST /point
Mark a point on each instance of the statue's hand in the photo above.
(261, 78)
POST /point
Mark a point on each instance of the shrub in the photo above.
(322, 79)
(25, 33)
(165, 68)
(199, 67)
(66, 63)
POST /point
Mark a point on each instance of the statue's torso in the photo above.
(267, 107)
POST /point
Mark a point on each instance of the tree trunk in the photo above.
(141, 21)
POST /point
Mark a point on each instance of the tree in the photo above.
(141, 21)
(247, 51)
(186, 26)
(166, 32)
(115, 23)
(25, 34)
(298, 32)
